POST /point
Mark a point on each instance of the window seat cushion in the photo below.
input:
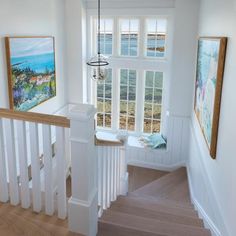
(154, 141)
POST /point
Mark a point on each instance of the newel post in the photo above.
(83, 206)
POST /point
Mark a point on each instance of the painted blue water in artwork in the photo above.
(43, 63)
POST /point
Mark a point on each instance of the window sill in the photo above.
(107, 139)
(132, 141)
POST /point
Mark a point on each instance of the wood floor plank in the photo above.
(15, 221)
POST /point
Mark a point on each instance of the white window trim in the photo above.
(147, 63)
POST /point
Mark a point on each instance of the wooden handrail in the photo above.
(35, 117)
(99, 142)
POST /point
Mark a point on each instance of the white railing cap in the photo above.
(82, 112)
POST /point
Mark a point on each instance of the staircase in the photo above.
(160, 208)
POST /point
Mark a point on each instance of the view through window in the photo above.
(104, 102)
(156, 37)
(127, 99)
(136, 104)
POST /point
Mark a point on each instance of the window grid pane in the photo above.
(153, 101)
(156, 37)
(127, 99)
(106, 36)
(104, 102)
(129, 30)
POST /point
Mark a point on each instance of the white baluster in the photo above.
(48, 170)
(115, 173)
(23, 161)
(99, 176)
(11, 157)
(118, 169)
(35, 167)
(61, 173)
(108, 177)
(4, 196)
(111, 174)
(104, 178)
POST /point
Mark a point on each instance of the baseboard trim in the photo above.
(156, 166)
(201, 212)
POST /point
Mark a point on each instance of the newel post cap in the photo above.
(82, 112)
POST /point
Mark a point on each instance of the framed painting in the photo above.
(31, 71)
(209, 80)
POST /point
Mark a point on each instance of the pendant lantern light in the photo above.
(99, 62)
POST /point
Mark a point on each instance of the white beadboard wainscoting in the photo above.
(174, 156)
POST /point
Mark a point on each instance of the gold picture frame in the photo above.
(209, 81)
(31, 71)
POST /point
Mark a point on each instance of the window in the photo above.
(104, 102)
(129, 37)
(106, 37)
(156, 37)
(131, 99)
(152, 101)
(127, 99)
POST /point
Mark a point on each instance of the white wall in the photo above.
(75, 12)
(213, 181)
(183, 57)
(34, 18)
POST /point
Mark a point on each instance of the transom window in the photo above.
(106, 36)
(129, 29)
(131, 98)
(156, 37)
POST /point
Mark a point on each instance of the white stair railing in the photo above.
(112, 172)
(33, 172)
(29, 175)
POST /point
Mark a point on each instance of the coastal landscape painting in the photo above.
(31, 71)
(210, 70)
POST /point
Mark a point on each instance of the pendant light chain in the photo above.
(99, 26)
(99, 62)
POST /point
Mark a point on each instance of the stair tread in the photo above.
(164, 201)
(173, 186)
(107, 229)
(151, 225)
(162, 216)
(156, 205)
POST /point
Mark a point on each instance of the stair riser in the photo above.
(105, 229)
(151, 205)
(161, 216)
(153, 226)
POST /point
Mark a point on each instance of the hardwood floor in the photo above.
(15, 221)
